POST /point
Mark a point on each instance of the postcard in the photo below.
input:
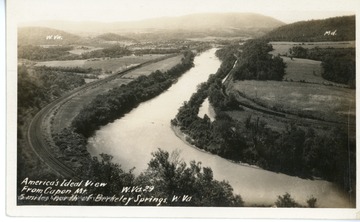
(182, 109)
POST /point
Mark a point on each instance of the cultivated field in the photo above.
(162, 66)
(306, 70)
(106, 64)
(328, 103)
(283, 47)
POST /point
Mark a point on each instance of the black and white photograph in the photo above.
(182, 108)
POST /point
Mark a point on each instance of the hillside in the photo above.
(214, 23)
(331, 29)
(46, 36)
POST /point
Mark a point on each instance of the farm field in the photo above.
(106, 64)
(283, 47)
(328, 103)
(161, 66)
(306, 70)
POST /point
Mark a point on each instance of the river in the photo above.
(131, 139)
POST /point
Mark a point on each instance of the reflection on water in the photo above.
(132, 138)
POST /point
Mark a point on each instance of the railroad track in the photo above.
(39, 138)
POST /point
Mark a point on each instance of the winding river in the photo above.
(133, 138)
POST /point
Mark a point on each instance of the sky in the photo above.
(288, 11)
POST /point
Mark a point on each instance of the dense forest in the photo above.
(120, 100)
(256, 63)
(338, 63)
(296, 151)
(331, 29)
(36, 88)
(39, 86)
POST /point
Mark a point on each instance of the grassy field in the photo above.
(106, 64)
(305, 70)
(329, 103)
(283, 47)
(162, 66)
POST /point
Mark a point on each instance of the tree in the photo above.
(286, 201)
(311, 202)
(255, 62)
(173, 177)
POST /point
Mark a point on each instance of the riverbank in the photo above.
(184, 137)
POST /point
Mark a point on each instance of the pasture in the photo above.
(328, 103)
(305, 70)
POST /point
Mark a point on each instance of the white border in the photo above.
(133, 212)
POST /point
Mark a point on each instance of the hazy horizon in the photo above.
(330, 15)
(287, 11)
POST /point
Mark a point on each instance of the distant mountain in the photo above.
(218, 23)
(45, 36)
(331, 29)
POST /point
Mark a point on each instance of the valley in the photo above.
(264, 112)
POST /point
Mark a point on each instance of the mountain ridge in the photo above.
(341, 28)
(191, 22)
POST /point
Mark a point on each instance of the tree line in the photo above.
(75, 69)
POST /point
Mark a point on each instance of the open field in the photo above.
(161, 66)
(311, 100)
(303, 70)
(106, 64)
(306, 70)
(283, 47)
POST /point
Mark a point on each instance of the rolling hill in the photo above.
(213, 23)
(331, 29)
(46, 36)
